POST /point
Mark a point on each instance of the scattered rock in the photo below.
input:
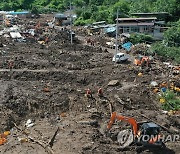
(29, 123)
(87, 147)
(113, 83)
(173, 129)
(91, 123)
(154, 84)
(93, 110)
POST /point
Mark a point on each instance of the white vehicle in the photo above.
(120, 57)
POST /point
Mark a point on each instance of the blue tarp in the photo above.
(18, 13)
(127, 46)
(110, 30)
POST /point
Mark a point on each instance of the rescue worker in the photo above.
(88, 93)
(46, 40)
(100, 92)
(11, 64)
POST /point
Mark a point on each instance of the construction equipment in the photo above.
(142, 61)
(146, 133)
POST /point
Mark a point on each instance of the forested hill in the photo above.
(95, 10)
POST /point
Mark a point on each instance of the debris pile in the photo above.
(141, 48)
(43, 101)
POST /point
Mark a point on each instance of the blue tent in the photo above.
(127, 46)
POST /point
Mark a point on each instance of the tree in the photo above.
(141, 6)
(172, 35)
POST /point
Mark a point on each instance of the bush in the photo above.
(81, 22)
(172, 35)
(172, 53)
(140, 38)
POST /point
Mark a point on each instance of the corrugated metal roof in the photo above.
(99, 22)
(136, 24)
(136, 19)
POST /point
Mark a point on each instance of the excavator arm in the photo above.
(131, 121)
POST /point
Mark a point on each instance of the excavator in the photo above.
(142, 61)
(146, 133)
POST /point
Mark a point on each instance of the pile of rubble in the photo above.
(45, 93)
(141, 48)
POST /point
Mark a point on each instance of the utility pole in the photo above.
(116, 33)
(71, 23)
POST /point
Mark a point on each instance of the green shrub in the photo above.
(140, 38)
(167, 52)
(172, 101)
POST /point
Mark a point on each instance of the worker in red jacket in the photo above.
(88, 93)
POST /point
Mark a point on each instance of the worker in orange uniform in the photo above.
(100, 92)
(46, 40)
(88, 93)
(11, 64)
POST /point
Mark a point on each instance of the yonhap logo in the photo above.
(126, 137)
(159, 138)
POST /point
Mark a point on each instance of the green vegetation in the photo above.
(172, 35)
(172, 53)
(140, 38)
(170, 47)
(96, 10)
(172, 101)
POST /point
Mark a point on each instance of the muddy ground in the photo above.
(48, 82)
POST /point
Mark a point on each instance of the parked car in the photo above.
(120, 57)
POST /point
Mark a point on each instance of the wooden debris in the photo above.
(50, 143)
(110, 107)
(41, 143)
